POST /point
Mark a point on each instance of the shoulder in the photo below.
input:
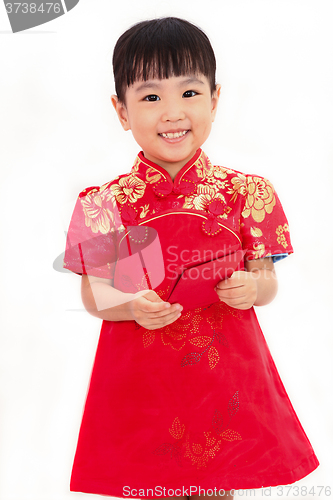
(104, 189)
(244, 184)
(97, 204)
(246, 178)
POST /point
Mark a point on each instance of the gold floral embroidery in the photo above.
(200, 453)
(144, 211)
(238, 186)
(211, 174)
(213, 357)
(174, 335)
(260, 198)
(230, 435)
(97, 216)
(204, 167)
(129, 189)
(136, 165)
(177, 429)
(218, 310)
(256, 232)
(187, 328)
(205, 194)
(220, 172)
(258, 250)
(148, 337)
(281, 239)
(206, 170)
(145, 280)
(152, 175)
(201, 341)
(107, 194)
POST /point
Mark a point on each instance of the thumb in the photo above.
(150, 295)
(153, 297)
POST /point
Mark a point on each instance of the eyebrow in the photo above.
(151, 84)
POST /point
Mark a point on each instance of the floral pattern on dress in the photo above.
(98, 216)
(211, 174)
(176, 335)
(259, 250)
(204, 168)
(153, 175)
(200, 449)
(200, 200)
(260, 198)
(144, 211)
(129, 189)
(281, 239)
(237, 187)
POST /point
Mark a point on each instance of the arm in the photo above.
(146, 308)
(257, 286)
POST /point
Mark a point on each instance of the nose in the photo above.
(173, 111)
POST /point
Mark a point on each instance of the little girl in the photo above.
(184, 398)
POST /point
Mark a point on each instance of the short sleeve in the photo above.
(91, 237)
(263, 223)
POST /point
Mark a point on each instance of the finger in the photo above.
(150, 295)
(150, 301)
(229, 283)
(236, 277)
(153, 308)
(231, 292)
(228, 286)
(174, 308)
(155, 323)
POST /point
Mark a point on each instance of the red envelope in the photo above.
(195, 286)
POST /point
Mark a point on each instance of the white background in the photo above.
(59, 134)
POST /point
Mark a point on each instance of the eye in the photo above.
(190, 93)
(151, 98)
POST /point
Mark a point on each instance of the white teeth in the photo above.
(175, 135)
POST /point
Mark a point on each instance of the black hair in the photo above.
(160, 48)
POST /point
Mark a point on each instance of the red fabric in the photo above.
(199, 402)
(195, 286)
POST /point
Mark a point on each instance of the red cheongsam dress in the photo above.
(199, 402)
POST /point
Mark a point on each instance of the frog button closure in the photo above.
(185, 186)
(211, 226)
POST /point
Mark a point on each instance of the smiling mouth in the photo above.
(173, 135)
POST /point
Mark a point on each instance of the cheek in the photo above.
(145, 124)
(206, 125)
(203, 118)
(207, 130)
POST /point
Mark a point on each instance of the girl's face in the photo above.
(169, 118)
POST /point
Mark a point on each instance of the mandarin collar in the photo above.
(184, 182)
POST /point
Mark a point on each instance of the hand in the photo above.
(239, 291)
(151, 312)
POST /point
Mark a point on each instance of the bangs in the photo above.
(159, 49)
(163, 55)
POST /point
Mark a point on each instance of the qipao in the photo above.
(200, 401)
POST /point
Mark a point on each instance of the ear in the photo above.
(215, 100)
(121, 112)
